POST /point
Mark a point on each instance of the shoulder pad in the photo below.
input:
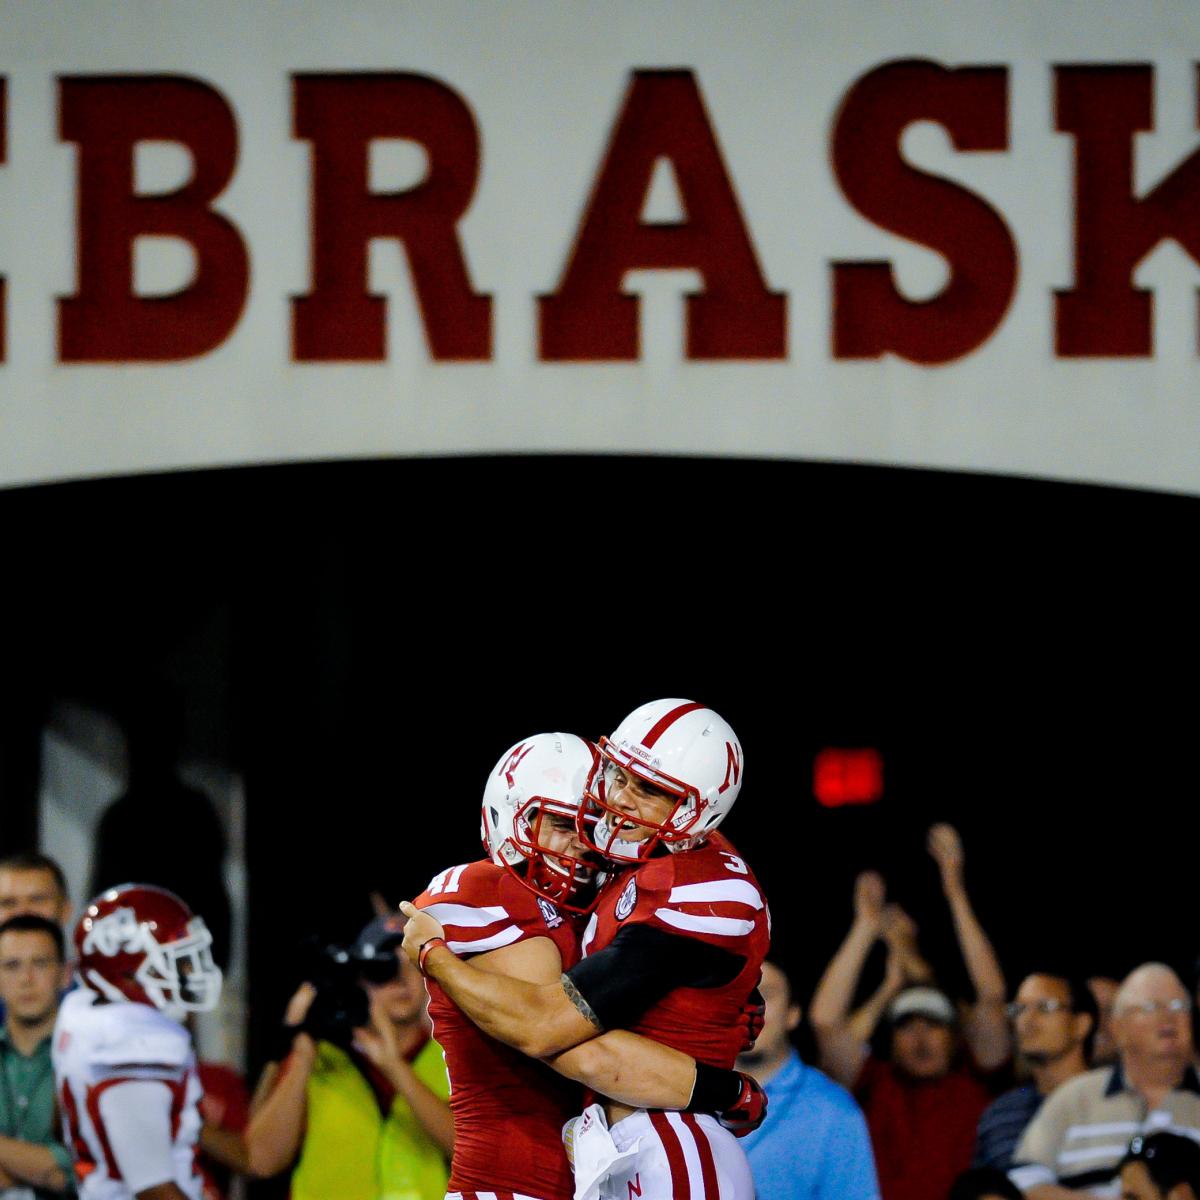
(139, 1036)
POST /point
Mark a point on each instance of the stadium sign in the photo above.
(258, 233)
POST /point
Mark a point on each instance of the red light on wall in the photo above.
(842, 777)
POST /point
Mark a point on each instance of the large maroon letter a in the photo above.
(735, 316)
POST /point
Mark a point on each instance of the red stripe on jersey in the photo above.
(83, 1156)
(93, 1107)
(178, 1093)
(665, 723)
(708, 1166)
(680, 1189)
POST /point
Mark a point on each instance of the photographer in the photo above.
(359, 1103)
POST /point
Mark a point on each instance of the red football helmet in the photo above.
(140, 942)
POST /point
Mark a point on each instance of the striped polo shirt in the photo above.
(1002, 1124)
(1083, 1130)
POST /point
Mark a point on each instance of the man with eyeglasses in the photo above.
(1075, 1144)
(1052, 1018)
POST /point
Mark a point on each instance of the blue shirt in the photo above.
(814, 1143)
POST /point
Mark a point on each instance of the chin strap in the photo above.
(614, 848)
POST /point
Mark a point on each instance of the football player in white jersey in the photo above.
(123, 1061)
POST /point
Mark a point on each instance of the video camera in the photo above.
(338, 972)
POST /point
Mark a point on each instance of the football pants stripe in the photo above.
(680, 1190)
(708, 1164)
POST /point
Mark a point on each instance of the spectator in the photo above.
(33, 883)
(1052, 1018)
(32, 1160)
(1078, 1139)
(984, 1183)
(368, 1120)
(1162, 1166)
(923, 1104)
(815, 1144)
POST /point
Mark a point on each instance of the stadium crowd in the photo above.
(1054, 1088)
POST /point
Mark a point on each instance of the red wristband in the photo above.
(426, 946)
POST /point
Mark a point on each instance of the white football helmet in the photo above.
(683, 749)
(544, 774)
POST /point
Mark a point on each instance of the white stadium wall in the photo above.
(956, 236)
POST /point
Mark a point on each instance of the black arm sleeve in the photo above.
(641, 965)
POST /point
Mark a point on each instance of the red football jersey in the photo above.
(508, 1110)
(708, 893)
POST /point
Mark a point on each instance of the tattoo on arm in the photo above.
(580, 1003)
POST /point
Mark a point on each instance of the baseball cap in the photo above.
(924, 1002)
(374, 948)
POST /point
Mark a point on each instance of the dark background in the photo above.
(362, 640)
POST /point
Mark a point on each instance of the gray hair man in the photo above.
(1077, 1141)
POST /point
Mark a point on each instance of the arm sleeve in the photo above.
(137, 1122)
(641, 965)
(482, 908)
(64, 1162)
(1036, 1159)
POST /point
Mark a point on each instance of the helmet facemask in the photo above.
(559, 876)
(530, 812)
(181, 976)
(675, 832)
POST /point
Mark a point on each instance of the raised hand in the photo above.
(869, 893)
(946, 848)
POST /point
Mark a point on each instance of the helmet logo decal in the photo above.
(513, 762)
(642, 753)
(733, 766)
(550, 914)
(116, 933)
(627, 900)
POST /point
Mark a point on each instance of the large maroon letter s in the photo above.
(104, 321)
(870, 317)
